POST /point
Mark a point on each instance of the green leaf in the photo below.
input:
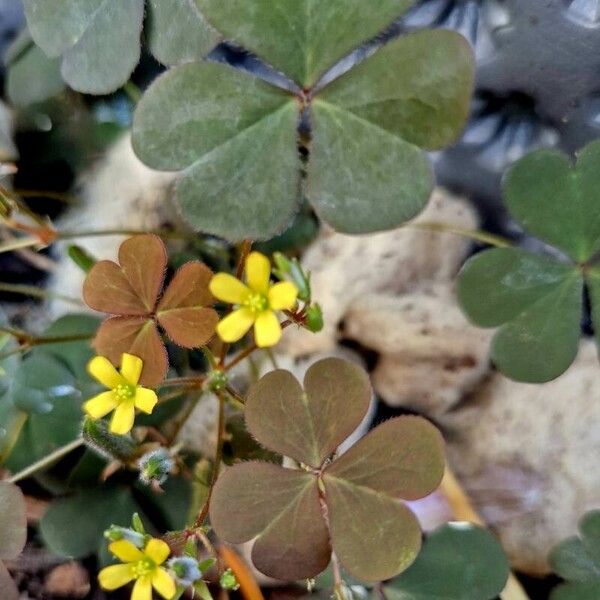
(301, 38)
(577, 560)
(281, 508)
(31, 76)
(537, 301)
(459, 561)
(308, 424)
(237, 137)
(177, 32)
(74, 526)
(13, 523)
(362, 179)
(558, 202)
(99, 40)
(45, 389)
(426, 102)
(403, 458)
(576, 591)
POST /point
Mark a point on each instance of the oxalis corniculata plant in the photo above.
(348, 138)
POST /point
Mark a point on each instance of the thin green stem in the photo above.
(472, 234)
(217, 464)
(163, 233)
(47, 460)
(133, 91)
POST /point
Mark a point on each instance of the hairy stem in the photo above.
(472, 234)
(36, 292)
(47, 460)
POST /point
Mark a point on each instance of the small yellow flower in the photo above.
(125, 394)
(141, 565)
(257, 302)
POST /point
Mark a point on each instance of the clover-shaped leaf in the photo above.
(459, 561)
(236, 136)
(349, 505)
(99, 40)
(130, 291)
(577, 560)
(537, 301)
(13, 533)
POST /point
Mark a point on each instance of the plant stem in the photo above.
(133, 91)
(463, 509)
(47, 460)
(163, 233)
(217, 463)
(473, 234)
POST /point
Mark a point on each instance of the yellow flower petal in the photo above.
(227, 288)
(282, 296)
(142, 590)
(125, 551)
(115, 576)
(145, 400)
(101, 368)
(235, 326)
(100, 405)
(267, 330)
(258, 272)
(131, 368)
(157, 550)
(163, 583)
(123, 418)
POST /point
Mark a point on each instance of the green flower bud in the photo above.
(185, 570)
(216, 381)
(114, 447)
(155, 466)
(228, 581)
(81, 258)
(314, 318)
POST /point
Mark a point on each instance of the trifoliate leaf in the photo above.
(131, 291)
(577, 560)
(177, 32)
(334, 401)
(301, 38)
(537, 301)
(374, 535)
(99, 40)
(459, 561)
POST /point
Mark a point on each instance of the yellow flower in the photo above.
(257, 302)
(141, 565)
(125, 394)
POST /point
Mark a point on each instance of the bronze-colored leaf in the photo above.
(107, 289)
(374, 536)
(280, 507)
(308, 425)
(182, 310)
(189, 327)
(403, 457)
(189, 287)
(143, 259)
(7, 585)
(136, 336)
(13, 524)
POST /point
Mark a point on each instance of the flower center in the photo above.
(124, 391)
(144, 566)
(256, 302)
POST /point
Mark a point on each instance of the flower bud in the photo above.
(228, 581)
(155, 466)
(314, 318)
(114, 447)
(185, 569)
(115, 533)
